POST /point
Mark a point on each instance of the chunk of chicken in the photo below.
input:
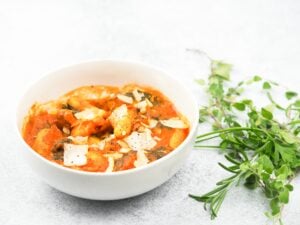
(96, 161)
(77, 103)
(177, 138)
(46, 138)
(89, 127)
(90, 121)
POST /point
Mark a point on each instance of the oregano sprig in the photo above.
(262, 152)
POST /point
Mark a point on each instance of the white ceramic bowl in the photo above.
(116, 185)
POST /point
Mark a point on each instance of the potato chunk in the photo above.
(121, 119)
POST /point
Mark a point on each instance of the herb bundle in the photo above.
(262, 152)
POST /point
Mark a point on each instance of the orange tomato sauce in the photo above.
(104, 128)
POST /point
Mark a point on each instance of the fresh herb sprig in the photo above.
(262, 151)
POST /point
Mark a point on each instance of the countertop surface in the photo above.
(257, 37)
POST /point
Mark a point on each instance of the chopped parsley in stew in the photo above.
(105, 128)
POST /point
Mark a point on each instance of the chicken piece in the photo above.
(50, 107)
(90, 121)
(92, 92)
(77, 103)
(69, 117)
(177, 138)
(46, 139)
(90, 113)
(92, 140)
(96, 161)
(87, 128)
(34, 124)
(39, 145)
(121, 120)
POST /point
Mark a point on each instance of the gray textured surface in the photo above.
(258, 37)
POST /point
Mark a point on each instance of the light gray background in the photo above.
(257, 36)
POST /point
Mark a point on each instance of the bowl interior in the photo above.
(107, 72)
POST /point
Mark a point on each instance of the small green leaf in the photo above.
(216, 112)
(290, 94)
(200, 81)
(269, 192)
(253, 115)
(202, 119)
(221, 69)
(257, 78)
(277, 184)
(265, 176)
(266, 114)
(266, 163)
(274, 204)
(289, 187)
(203, 113)
(289, 137)
(252, 181)
(297, 103)
(288, 153)
(224, 144)
(284, 196)
(266, 85)
(283, 173)
(216, 90)
(239, 106)
(247, 102)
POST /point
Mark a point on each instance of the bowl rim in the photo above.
(194, 124)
